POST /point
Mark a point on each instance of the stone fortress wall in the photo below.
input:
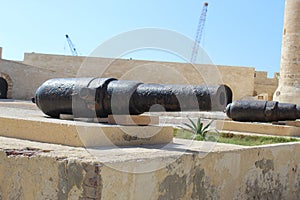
(22, 79)
(27, 75)
(264, 85)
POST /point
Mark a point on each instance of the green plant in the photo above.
(198, 129)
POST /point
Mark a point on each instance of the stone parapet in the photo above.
(201, 170)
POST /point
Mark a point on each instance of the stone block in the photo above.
(81, 134)
(133, 120)
(261, 128)
(293, 123)
(23, 120)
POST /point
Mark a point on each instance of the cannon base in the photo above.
(284, 128)
(23, 120)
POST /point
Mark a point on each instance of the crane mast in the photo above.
(72, 47)
(199, 33)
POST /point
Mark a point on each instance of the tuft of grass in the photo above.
(248, 140)
(245, 140)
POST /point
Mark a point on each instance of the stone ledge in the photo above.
(260, 128)
(23, 120)
(83, 134)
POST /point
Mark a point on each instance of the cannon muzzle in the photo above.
(100, 97)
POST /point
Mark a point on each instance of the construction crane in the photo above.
(199, 33)
(72, 47)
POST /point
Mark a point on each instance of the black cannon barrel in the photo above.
(70, 96)
(100, 97)
(262, 111)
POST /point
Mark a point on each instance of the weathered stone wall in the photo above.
(239, 79)
(23, 80)
(56, 63)
(148, 71)
(263, 84)
(30, 170)
(28, 75)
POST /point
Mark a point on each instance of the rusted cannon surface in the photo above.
(100, 97)
(262, 111)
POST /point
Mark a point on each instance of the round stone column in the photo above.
(288, 90)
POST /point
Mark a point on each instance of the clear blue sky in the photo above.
(237, 32)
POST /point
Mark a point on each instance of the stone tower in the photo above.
(288, 90)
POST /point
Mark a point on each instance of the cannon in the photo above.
(100, 97)
(262, 111)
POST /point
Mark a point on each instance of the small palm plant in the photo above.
(198, 129)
